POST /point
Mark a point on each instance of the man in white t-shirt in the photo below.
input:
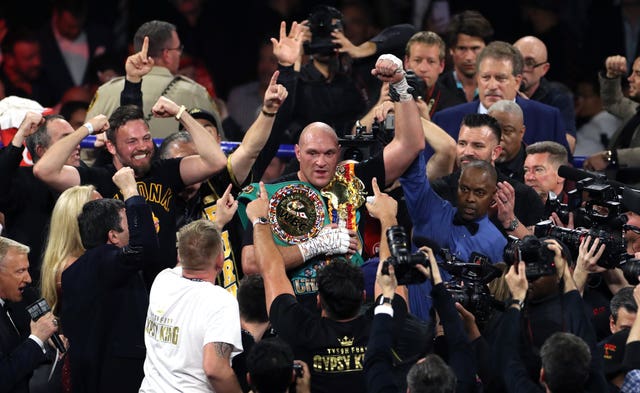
(193, 326)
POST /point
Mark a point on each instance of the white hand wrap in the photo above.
(329, 241)
(388, 56)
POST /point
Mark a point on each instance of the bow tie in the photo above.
(471, 226)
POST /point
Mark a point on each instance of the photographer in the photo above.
(538, 309)
(378, 359)
(326, 88)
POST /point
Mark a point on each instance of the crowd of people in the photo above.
(448, 219)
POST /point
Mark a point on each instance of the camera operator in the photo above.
(378, 362)
(539, 308)
(326, 88)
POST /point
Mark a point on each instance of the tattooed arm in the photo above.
(217, 367)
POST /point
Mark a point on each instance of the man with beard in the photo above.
(479, 139)
(624, 146)
(130, 142)
(26, 201)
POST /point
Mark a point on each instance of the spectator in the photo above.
(63, 245)
(105, 303)
(537, 87)
(467, 34)
(622, 151)
(68, 44)
(595, 125)
(25, 200)
(130, 141)
(499, 74)
(623, 310)
(21, 72)
(164, 52)
(541, 172)
(19, 355)
(245, 101)
(74, 112)
(203, 319)
(509, 115)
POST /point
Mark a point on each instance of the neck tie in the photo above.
(471, 226)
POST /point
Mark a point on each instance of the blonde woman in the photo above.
(63, 244)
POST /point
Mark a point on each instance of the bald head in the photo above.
(318, 152)
(315, 129)
(536, 62)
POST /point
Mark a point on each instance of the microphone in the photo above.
(574, 174)
(577, 174)
(39, 308)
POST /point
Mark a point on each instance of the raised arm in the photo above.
(256, 137)
(210, 158)
(385, 209)
(444, 146)
(268, 258)
(51, 167)
(408, 141)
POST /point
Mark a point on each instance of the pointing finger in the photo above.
(263, 191)
(274, 78)
(145, 47)
(374, 185)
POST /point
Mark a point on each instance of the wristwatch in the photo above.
(384, 300)
(512, 225)
(260, 220)
(520, 303)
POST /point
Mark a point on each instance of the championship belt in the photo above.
(345, 194)
(296, 211)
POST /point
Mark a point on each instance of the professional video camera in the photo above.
(595, 202)
(468, 284)
(401, 258)
(614, 252)
(323, 20)
(362, 145)
(534, 253)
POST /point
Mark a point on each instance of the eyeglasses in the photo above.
(531, 64)
(179, 48)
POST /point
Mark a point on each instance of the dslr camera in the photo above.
(469, 283)
(322, 21)
(402, 260)
(534, 253)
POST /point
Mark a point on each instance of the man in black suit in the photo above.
(105, 298)
(20, 353)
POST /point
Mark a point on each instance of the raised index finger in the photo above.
(374, 186)
(263, 191)
(145, 47)
(274, 78)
